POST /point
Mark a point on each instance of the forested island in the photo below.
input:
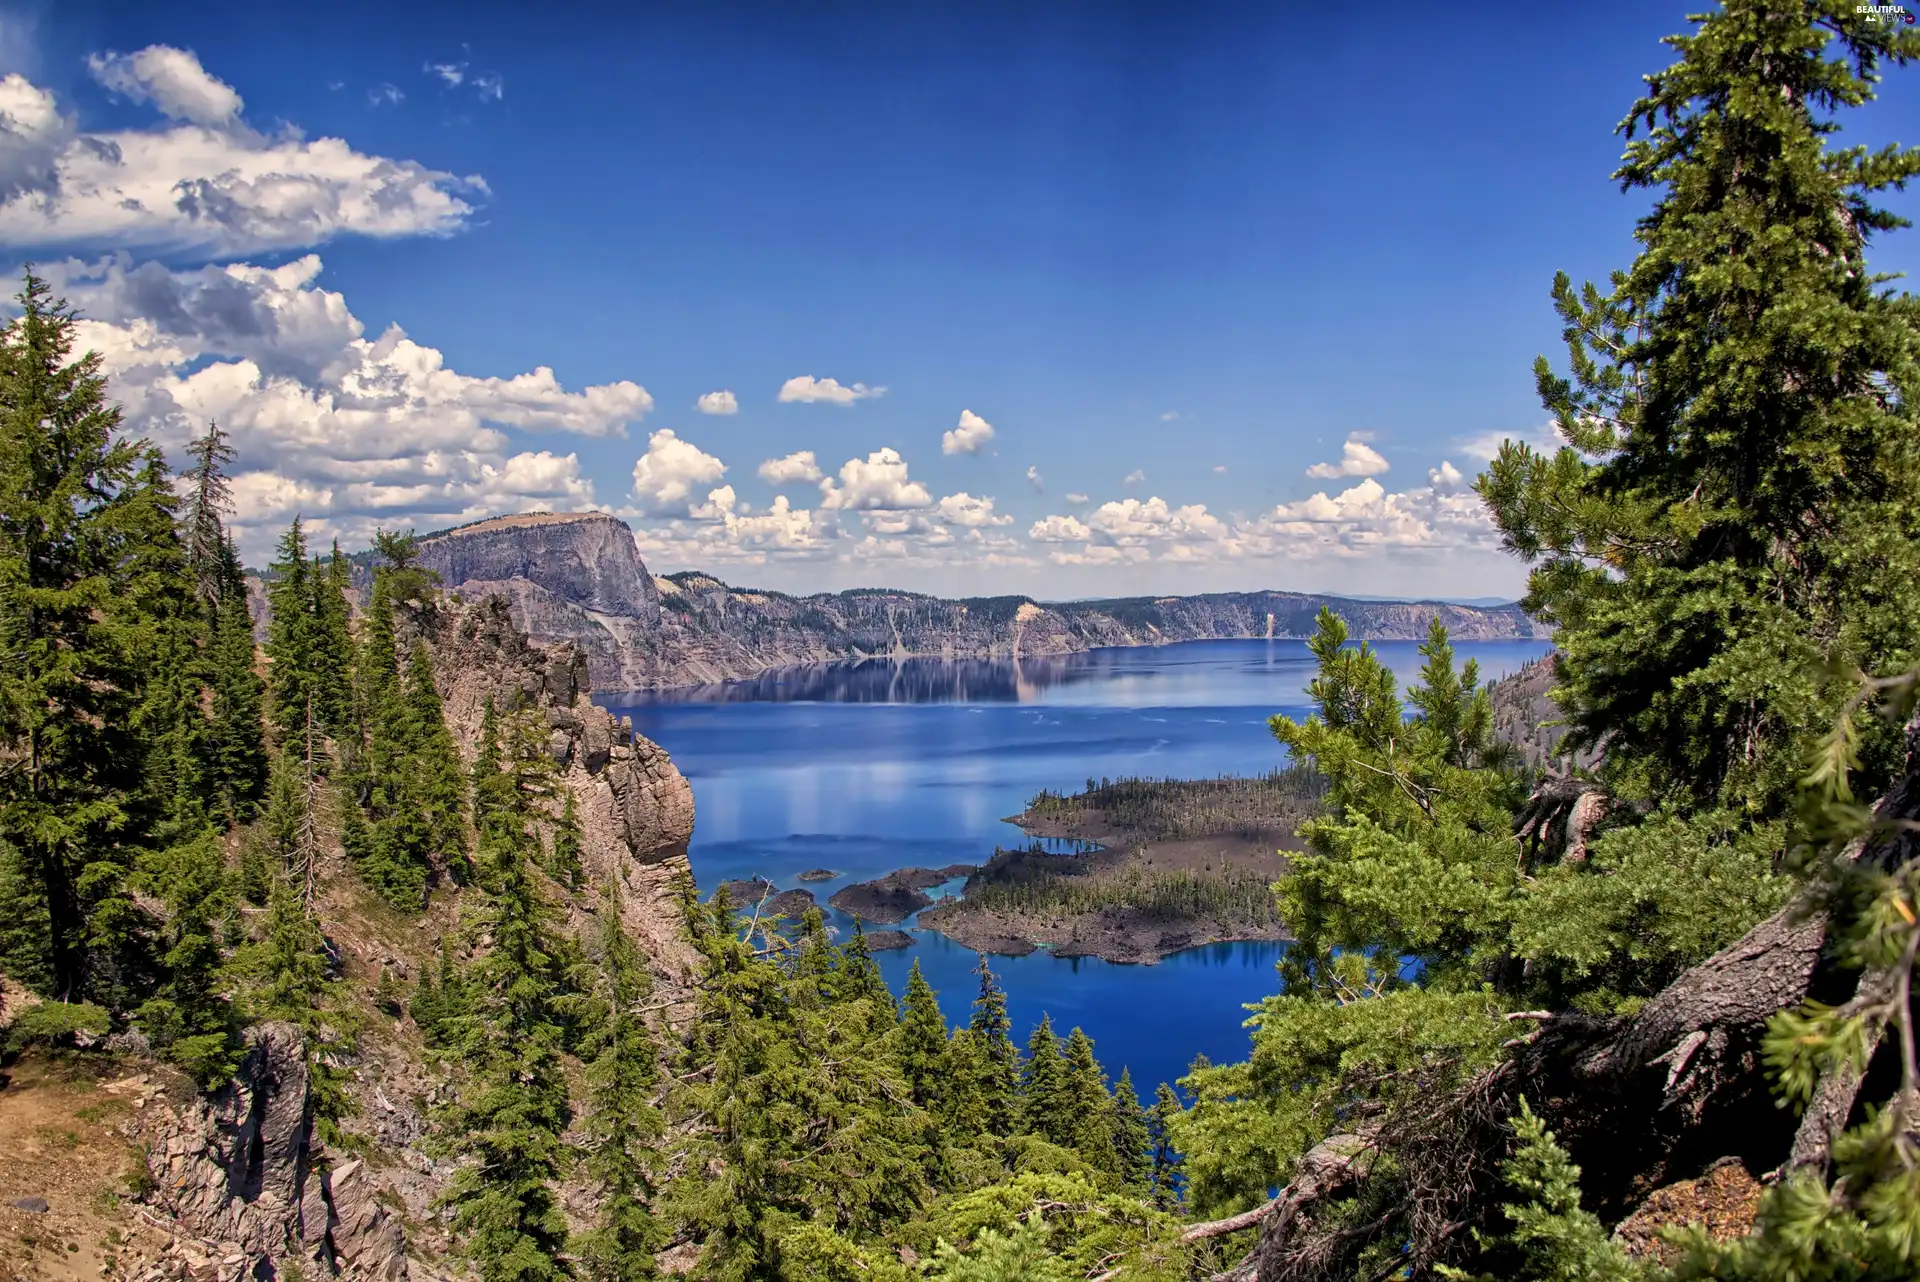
(369, 949)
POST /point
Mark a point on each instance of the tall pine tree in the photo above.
(622, 1125)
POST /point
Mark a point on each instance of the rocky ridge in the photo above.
(577, 578)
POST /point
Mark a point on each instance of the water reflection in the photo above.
(918, 680)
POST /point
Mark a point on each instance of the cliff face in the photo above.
(578, 579)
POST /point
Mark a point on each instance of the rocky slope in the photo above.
(238, 1183)
(577, 578)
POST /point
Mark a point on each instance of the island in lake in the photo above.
(1130, 870)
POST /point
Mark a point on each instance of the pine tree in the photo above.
(209, 498)
(73, 513)
(1045, 1093)
(923, 1043)
(1732, 512)
(1089, 1106)
(190, 1019)
(433, 769)
(293, 640)
(1000, 1059)
(237, 749)
(333, 644)
(514, 1107)
(563, 859)
(1164, 1177)
(1131, 1143)
(622, 1126)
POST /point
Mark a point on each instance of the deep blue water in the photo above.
(864, 768)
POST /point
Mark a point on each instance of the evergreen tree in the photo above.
(1164, 1176)
(1131, 1142)
(293, 639)
(333, 644)
(563, 859)
(923, 1043)
(623, 1126)
(1089, 1107)
(433, 769)
(1046, 1096)
(209, 498)
(999, 1058)
(514, 1108)
(237, 763)
(190, 1019)
(74, 510)
(1732, 512)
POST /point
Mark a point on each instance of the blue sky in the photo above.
(1194, 264)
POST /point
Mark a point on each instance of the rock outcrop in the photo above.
(578, 579)
(250, 1189)
(636, 810)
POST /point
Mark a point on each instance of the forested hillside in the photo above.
(372, 948)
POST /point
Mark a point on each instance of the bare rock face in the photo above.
(587, 559)
(241, 1171)
(636, 810)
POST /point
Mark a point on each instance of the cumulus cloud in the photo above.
(1357, 458)
(1134, 477)
(727, 534)
(172, 80)
(718, 403)
(1033, 479)
(800, 466)
(346, 429)
(969, 437)
(1059, 529)
(807, 389)
(964, 509)
(879, 483)
(1484, 446)
(1368, 516)
(1446, 479)
(203, 180)
(667, 476)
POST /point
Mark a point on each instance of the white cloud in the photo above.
(1059, 529)
(808, 389)
(718, 403)
(1131, 522)
(1219, 467)
(667, 475)
(1033, 479)
(453, 74)
(1134, 477)
(349, 431)
(490, 86)
(969, 437)
(1357, 458)
(800, 466)
(1484, 446)
(172, 80)
(964, 509)
(206, 181)
(878, 484)
(1446, 479)
(1075, 498)
(1169, 416)
(385, 95)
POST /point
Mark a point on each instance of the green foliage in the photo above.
(1131, 1140)
(57, 1024)
(998, 1060)
(189, 1019)
(1183, 809)
(1732, 512)
(563, 856)
(1164, 1175)
(622, 1124)
(80, 505)
(1045, 1105)
(1549, 1238)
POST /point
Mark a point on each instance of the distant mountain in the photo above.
(1479, 602)
(579, 578)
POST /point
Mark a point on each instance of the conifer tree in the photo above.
(1089, 1106)
(999, 1059)
(190, 1019)
(433, 769)
(514, 1108)
(237, 750)
(1130, 1139)
(1045, 1092)
(563, 859)
(1164, 1175)
(1732, 511)
(923, 1043)
(622, 1126)
(209, 498)
(293, 638)
(73, 512)
(333, 644)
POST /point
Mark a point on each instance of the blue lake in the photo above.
(864, 768)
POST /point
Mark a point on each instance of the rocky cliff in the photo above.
(239, 1180)
(578, 579)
